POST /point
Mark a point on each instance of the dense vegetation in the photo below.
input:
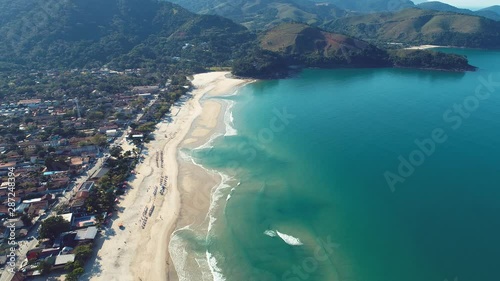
(166, 39)
(439, 6)
(429, 59)
(302, 45)
(260, 15)
(416, 26)
(370, 5)
(305, 45)
(128, 33)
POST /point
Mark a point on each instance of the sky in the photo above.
(471, 3)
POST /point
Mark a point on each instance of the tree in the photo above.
(116, 151)
(53, 226)
(73, 275)
(26, 220)
(44, 267)
(83, 253)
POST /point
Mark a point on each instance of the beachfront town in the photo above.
(64, 163)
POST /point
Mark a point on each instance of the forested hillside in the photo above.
(261, 15)
(416, 26)
(88, 33)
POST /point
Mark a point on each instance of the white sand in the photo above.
(142, 254)
(424, 47)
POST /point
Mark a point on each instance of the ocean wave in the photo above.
(231, 193)
(209, 143)
(290, 240)
(217, 193)
(229, 120)
(270, 233)
(214, 269)
(178, 254)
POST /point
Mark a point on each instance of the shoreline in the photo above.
(137, 253)
(425, 47)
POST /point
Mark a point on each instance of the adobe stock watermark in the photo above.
(322, 255)
(454, 118)
(11, 208)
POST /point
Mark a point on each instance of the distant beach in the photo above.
(141, 253)
(424, 47)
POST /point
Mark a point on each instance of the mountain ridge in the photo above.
(443, 7)
(416, 26)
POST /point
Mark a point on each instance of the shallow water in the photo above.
(313, 154)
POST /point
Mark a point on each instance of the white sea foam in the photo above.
(206, 273)
(178, 255)
(214, 269)
(217, 193)
(229, 120)
(209, 143)
(230, 194)
(290, 240)
(270, 233)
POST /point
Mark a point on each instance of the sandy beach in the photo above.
(141, 253)
(424, 47)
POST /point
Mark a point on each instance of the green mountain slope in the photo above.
(315, 47)
(259, 15)
(77, 33)
(417, 26)
(495, 9)
(366, 6)
(439, 6)
(294, 44)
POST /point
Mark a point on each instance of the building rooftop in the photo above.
(64, 259)
(88, 233)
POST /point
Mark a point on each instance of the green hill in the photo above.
(367, 6)
(417, 26)
(495, 9)
(294, 44)
(439, 6)
(130, 33)
(260, 15)
(314, 47)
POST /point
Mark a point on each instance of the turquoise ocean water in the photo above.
(308, 197)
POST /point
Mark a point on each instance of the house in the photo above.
(38, 208)
(5, 167)
(86, 186)
(62, 260)
(75, 150)
(33, 254)
(48, 253)
(104, 129)
(145, 89)
(111, 133)
(86, 234)
(30, 103)
(68, 217)
(78, 200)
(78, 162)
(17, 223)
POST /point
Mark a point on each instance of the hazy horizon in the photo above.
(468, 4)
